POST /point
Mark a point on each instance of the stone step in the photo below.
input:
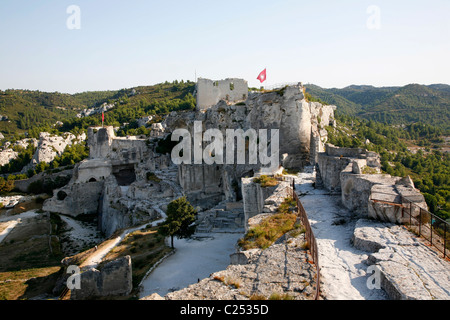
(203, 229)
(225, 230)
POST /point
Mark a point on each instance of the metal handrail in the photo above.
(419, 219)
(301, 213)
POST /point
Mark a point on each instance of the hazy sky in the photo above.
(121, 44)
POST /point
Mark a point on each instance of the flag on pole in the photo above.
(262, 76)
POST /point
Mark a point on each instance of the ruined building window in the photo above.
(216, 83)
(92, 180)
(231, 86)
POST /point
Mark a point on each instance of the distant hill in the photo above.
(345, 106)
(132, 104)
(24, 110)
(392, 105)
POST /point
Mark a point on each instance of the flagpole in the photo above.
(265, 68)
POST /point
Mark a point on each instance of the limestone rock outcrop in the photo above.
(8, 151)
(114, 279)
(279, 271)
(50, 146)
(407, 268)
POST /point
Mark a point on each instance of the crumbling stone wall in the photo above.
(114, 279)
(356, 175)
(262, 200)
(210, 92)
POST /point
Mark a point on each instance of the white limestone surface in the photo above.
(343, 269)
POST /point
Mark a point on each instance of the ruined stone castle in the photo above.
(126, 181)
(209, 92)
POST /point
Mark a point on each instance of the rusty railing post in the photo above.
(410, 214)
(431, 229)
(420, 220)
(445, 240)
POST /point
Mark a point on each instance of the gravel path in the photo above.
(193, 260)
(94, 259)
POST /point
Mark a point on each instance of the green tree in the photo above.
(6, 185)
(180, 218)
(431, 201)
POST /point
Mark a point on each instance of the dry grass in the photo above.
(288, 206)
(268, 231)
(273, 227)
(28, 246)
(266, 181)
(29, 260)
(257, 297)
(229, 281)
(25, 284)
(35, 204)
(219, 278)
(278, 296)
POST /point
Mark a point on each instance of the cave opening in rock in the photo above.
(125, 174)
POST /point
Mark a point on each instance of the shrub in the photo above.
(369, 170)
(6, 185)
(40, 200)
(36, 187)
(152, 177)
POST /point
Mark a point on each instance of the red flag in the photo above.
(103, 116)
(262, 76)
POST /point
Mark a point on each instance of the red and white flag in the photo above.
(262, 76)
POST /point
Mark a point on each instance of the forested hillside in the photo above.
(429, 166)
(391, 105)
(132, 104)
(34, 111)
(22, 110)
